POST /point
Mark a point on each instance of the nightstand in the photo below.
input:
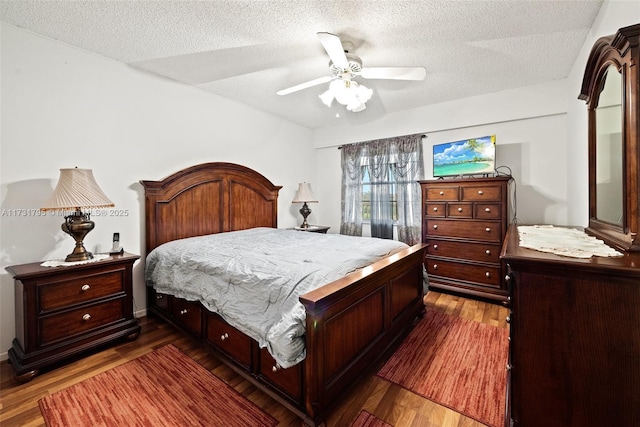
(314, 229)
(63, 311)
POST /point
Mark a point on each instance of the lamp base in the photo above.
(305, 212)
(78, 225)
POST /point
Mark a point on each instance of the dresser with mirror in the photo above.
(574, 352)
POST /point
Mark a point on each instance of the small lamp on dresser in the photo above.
(77, 189)
(304, 195)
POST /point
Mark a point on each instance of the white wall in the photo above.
(541, 135)
(64, 107)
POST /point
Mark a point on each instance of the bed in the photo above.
(348, 324)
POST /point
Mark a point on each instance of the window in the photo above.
(379, 186)
(366, 194)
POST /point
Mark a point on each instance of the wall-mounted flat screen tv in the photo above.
(467, 157)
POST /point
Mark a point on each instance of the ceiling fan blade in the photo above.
(394, 73)
(333, 46)
(305, 85)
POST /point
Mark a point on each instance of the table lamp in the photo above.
(304, 195)
(77, 189)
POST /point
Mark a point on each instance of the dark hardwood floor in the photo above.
(19, 402)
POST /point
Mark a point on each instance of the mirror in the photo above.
(609, 189)
(610, 87)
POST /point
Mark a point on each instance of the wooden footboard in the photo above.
(355, 321)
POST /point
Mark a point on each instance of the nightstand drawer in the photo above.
(83, 319)
(80, 289)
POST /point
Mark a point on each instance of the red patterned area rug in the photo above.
(161, 388)
(365, 419)
(457, 363)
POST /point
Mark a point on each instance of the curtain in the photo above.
(394, 166)
(409, 169)
(351, 223)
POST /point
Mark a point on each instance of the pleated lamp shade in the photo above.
(304, 194)
(77, 188)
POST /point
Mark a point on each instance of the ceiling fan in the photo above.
(343, 67)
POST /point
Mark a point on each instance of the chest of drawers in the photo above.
(62, 311)
(464, 222)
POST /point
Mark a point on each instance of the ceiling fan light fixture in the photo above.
(327, 98)
(348, 93)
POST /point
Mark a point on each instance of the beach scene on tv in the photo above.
(466, 157)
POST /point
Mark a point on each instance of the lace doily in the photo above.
(563, 241)
(63, 263)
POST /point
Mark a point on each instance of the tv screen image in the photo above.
(466, 157)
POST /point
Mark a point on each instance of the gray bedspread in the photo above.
(253, 278)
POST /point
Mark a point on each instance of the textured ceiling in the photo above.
(247, 50)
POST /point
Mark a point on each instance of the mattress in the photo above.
(253, 278)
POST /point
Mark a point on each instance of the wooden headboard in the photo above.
(208, 198)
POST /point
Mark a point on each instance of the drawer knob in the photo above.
(435, 227)
(480, 192)
(487, 229)
(435, 247)
(159, 296)
(275, 368)
(183, 311)
(224, 336)
(442, 193)
(509, 366)
(507, 319)
(459, 209)
(488, 252)
(86, 317)
(435, 266)
(487, 209)
(85, 288)
(487, 274)
(435, 209)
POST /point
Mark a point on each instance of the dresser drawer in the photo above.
(489, 231)
(447, 194)
(288, 380)
(435, 210)
(487, 211)
(228, 339)
(83, 319)
(460, 210)
(476, 193)
(188, 314)
(483, 252)
(80, 289)
(485, 275)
